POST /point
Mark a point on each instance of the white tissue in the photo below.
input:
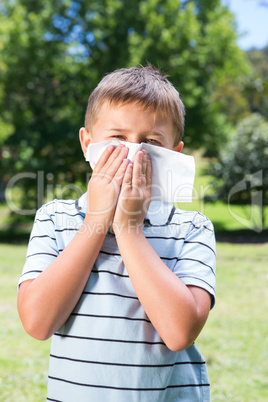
(172, 172)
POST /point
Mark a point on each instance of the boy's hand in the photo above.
(135, 195)
(105, 185)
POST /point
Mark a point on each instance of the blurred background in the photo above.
(52, 55)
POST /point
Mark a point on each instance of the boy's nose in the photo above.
(133, 149)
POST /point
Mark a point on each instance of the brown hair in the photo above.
(144, 85)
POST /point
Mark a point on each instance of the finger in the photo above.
(127, 181)
(144, 165)
(148, 171)
(108, 156)
(114, 161)
(119, 176)
(137, 169)
(104, 158)
(126, 185)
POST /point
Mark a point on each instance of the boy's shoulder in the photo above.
(197, 218)
(168, 214)
(60, 206)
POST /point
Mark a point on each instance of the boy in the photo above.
(123, 285)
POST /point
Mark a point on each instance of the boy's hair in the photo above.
(144, 85)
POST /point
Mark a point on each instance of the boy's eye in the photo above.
(152, 141)
(119, 137)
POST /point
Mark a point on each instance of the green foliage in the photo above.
(53, 53)
(242, 168)
(256, 85)
(197, 47)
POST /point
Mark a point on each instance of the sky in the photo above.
(252, 21)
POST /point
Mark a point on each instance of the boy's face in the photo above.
(130, 122)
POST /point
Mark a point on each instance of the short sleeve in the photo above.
(42, 247)
(196, 264)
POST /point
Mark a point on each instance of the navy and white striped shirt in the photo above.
(108, 349)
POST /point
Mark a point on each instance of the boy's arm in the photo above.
(46, 302)
(178, 312)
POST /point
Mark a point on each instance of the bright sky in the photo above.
(252, 21)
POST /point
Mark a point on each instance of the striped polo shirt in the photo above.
(108, 350)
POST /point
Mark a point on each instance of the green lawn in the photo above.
(234, 340)
(23, 360)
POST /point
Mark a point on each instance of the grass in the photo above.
(23, 360)
(234, 340)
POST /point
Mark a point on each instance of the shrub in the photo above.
(241, 171)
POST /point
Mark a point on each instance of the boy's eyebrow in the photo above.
(123, 130)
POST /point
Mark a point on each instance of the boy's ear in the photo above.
(179, 147)
(85, 139)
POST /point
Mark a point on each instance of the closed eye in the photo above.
(122, 136)
(119, 137)
(152, 141)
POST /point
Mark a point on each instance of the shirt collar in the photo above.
(81, 204)
(159, 213)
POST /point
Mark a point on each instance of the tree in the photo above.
(55, 52)
(241, 172)
(41, 93)
(197, 45)
(256, 86)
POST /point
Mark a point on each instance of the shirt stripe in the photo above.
(129, 389)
